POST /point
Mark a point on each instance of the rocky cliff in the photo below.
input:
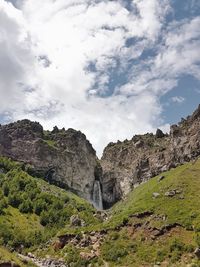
(126, 164)
(65, 158)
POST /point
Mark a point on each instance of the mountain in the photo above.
(65, 158)
(129, 163)
(53, 189)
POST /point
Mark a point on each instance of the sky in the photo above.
(111, 69)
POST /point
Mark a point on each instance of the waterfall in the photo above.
(97, 195)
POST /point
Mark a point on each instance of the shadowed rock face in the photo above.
(62, 157)
(125, 164)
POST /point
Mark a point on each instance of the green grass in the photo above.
(7, 256)
(50, 143)
(125, 247)
(186, 211)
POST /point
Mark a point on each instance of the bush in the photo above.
(39, 206)
(14, 200)
(26, 206)
(5, 188)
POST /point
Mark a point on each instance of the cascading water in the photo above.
(97, 195)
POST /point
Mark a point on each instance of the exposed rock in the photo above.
(172, 193)
(197, 253)
(76, 221)
(156, 195)
(159, 134)
(9, 264)
(126, 164)
(161, 178)
(88, 255)
(65, 158)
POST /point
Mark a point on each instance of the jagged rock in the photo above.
(159, 134)
(65, 158)
(129, 163)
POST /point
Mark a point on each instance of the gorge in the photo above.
(66, 158)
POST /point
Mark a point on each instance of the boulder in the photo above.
(197, 253)
(156, 195)
(76, 221)
(159, 134)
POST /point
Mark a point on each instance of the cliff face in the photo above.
(63, 157)
(67, 159)
(125, 164)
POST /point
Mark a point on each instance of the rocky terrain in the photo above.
(65, 158)
(129, 163)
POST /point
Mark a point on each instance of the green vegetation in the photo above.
(130, 240)
(31, 210)
(50, 143)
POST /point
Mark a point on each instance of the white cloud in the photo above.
(178, 99)
(84, 44)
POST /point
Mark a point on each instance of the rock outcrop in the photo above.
(65, 158)
(126, 164)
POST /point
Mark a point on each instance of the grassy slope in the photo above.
(186, 211)
(129, 245)
(134, 246)
(26, 227)
(173, 248)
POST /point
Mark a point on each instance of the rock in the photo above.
(155, 195)
(170, 193)
(130, 163)
(88, 255)
(30, 255)
(9, 264)
(197, 253)
(64, 158)
(76, 221)
(159, 134)
(139, 144)
(161, 178)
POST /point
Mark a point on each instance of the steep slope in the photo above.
(158, 224)
(126, 164)
(33, 211)
(62, 157)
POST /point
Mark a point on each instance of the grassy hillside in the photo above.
(157, 224)
(33, 211)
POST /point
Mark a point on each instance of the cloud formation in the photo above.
(97, 66)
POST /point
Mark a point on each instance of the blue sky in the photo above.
(111, 69)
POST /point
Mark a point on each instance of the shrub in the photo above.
(26, 206)
(5, 188)
(14, 200)
(39, 206)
